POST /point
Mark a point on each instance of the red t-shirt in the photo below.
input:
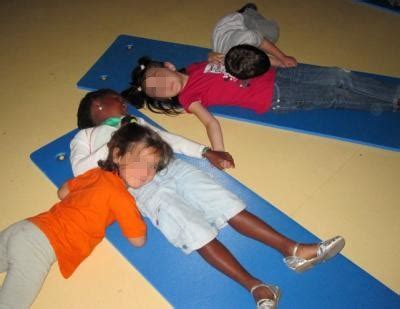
(75, 225)
(212, 86)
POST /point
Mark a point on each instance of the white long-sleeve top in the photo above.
(90, 145)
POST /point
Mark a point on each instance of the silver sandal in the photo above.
(326, 250)
(267, 303)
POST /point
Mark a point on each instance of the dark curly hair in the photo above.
(84, 115)
(246, 61)
(138, 98)
(129, 136)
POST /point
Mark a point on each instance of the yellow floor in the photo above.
(326, 185)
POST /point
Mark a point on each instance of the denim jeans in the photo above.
(314, 87)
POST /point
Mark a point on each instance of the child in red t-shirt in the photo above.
(73, 227)
(247, 81)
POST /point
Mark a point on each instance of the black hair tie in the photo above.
(128, 119)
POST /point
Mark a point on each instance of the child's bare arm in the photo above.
(216, 58)
(212, 125)
(274, 62)
(138, 241)
(283, 60)
(63, 191)
(218, 156)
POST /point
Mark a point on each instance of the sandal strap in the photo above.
(294, 252)
(264, 286)
(265, 300)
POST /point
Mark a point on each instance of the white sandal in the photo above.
(267, 303)
(326, 250)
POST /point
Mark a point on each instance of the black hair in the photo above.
(137, 96)
(246, 61)
(84, 110)
(129, 136)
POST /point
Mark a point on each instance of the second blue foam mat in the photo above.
(113, 69)
(186, 281)
(388, 6)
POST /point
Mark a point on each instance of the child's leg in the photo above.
(309, 87)
(268, 28)
(173, 202)
(253, 227)
(218, 256)
(29, 258)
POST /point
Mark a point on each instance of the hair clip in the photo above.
(142, 67)
(128, 119)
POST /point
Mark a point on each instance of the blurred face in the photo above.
(109, 106)
(163, 83)
(138, 166)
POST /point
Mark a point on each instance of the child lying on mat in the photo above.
(73, 227)
(246, 80)
(248, 26)
(188, 206)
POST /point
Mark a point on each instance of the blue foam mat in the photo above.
(186, 281)
(113, 69)
(380, 5)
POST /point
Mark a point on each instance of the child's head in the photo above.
(97, 106)
(155, 84)
(136, 153)
(246, 61)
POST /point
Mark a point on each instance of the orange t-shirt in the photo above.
(75, 225)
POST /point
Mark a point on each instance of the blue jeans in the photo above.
(308, 87)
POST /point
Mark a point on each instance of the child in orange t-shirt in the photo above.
(72, 228)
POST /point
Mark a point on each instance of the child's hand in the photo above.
(288, 62)
(216, 58)
(220, 159)
(63, 191)
(170, 66)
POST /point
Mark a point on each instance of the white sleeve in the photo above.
(88, 147)
(178, 143)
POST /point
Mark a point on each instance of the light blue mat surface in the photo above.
(113, 70)
(188, 282)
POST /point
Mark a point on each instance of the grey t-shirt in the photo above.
(249, 27)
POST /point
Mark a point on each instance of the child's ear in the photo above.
(116, 155)
(170, 66)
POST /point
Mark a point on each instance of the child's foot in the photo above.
(305, 257)
(307, 251)
(266, 296)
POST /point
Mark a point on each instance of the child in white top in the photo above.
(189, 208)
